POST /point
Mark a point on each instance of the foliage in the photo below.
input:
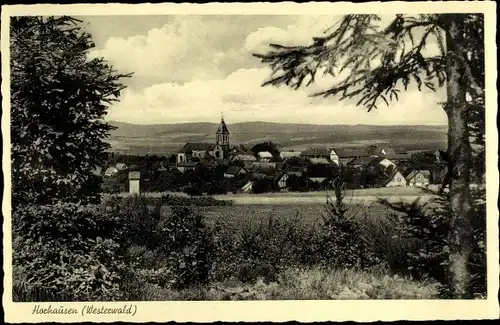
(269, 146)
(67, 252)
(342, 239)
(297, 183)
(58, 100)
(430, 224)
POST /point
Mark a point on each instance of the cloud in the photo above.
(186, 48)
(240, 97)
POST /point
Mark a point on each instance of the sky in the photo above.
(194, 68)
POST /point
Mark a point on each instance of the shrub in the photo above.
(67, 252)
(429, 223)
(341, 238)
(168, 242)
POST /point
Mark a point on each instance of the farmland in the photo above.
(307, 214)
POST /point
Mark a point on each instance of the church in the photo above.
(218, 150)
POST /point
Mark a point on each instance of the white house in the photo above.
(121, 166)
(247, 188)
(110, 171)
(282, 180)
(419, 178)
(395, 179)
(264, 156)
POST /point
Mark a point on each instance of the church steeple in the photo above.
(222, 135)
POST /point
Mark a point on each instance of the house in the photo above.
(386, 162)
(187, 165)
(244, 157)
(297, 171)
(345, 155)
(247, 188)
(418, 178)
(264, 156)
(289, 154)
(320, 161)
(121, 166)
(363, 162)
(111, 171)
(281, 180)
(162, 168)
(234, 171)
(394, 179)
(316, 179)
(265, 167)
(326, 153)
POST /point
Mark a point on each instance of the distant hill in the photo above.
(167, 138)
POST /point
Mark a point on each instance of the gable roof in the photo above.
(320, 161)
(188, 164)
(121, 166)
(390, 177)
(352, 152)
(265, 154)
(222, 129)
(364, 161)
(313, 152)
(244, 157)
(290, 154)
(413, 173)
(233, 170)
(198, 146)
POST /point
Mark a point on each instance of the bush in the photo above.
(66, 252)
(341, 238)
(167, 242)
(429, 223)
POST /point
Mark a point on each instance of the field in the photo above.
(164, 139)
(307, 214)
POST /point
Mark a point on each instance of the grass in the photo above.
(307, 213)
(306, 284)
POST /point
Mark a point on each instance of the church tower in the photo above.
(222, 137)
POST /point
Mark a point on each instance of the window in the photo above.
(399, 179)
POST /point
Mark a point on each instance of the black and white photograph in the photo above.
(235, 156)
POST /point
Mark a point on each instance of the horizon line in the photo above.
(286, 123)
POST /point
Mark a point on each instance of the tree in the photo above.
(58, 100)
(266, 146)
(382, 61)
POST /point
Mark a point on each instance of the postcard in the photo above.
(250, 162)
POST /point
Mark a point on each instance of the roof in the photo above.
(121, 166)
(245, 157)
(111, 168)
(233, 170)
(390, 177)
(322, 161)
(352, 152)
(265, 154)
(265, 168)
(134, 175)
(317, 179)
(297, 169)
(313, 152)
(188, 164)
(364, 161)
(396, 156)
(190, 146)
(222, 129)
(289, 154)
(413, 173)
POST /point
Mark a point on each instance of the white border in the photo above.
(304, 311)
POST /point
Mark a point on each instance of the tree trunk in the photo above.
(458, 165)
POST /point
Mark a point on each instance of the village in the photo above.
(223, 167)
